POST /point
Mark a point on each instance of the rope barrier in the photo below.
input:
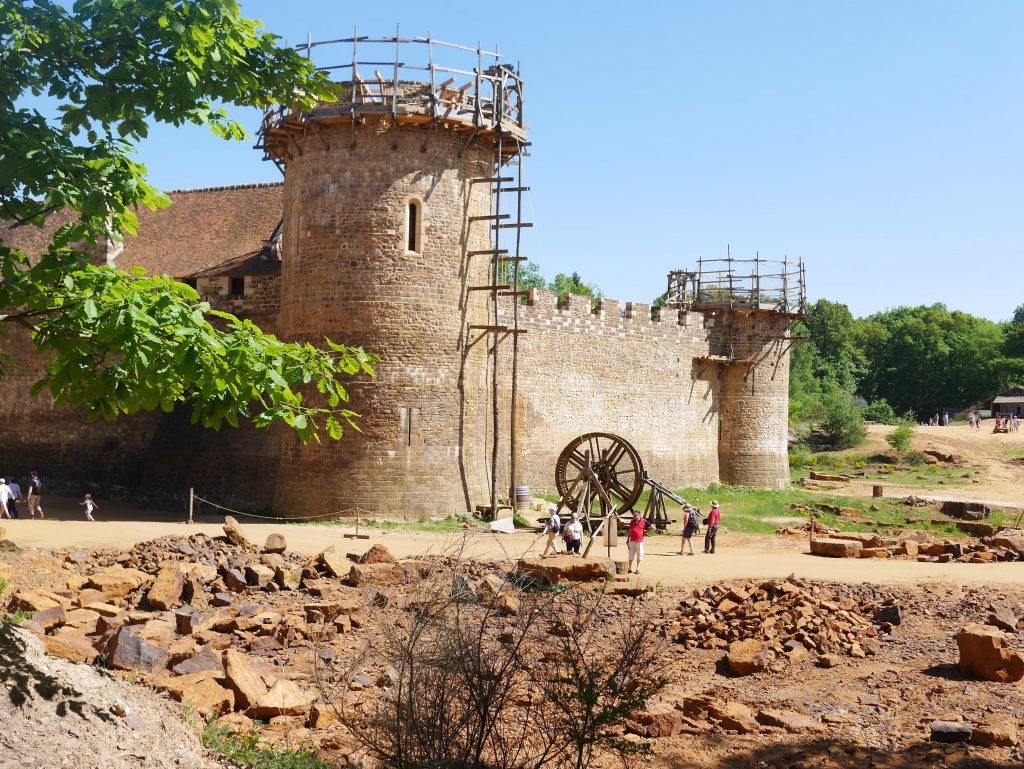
(283, 519)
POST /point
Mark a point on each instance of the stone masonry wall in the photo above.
(612, 370)
(755, 398)
(71, 454)
(347, 274)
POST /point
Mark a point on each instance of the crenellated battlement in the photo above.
(547, 310)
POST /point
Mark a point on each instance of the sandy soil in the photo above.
(1001, 479)
(738, 556)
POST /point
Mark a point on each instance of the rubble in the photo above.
(823, 619)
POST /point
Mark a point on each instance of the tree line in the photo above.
(904, 362)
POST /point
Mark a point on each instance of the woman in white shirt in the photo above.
(573, 535)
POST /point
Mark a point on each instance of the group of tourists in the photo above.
(1011, 423)
(571, 533)
(939, 421)
(974, 420)
(11, 494)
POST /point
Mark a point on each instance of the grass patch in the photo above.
(15, 617)
(449, 525)
(758, 511)
(912, 470)
(252, 753)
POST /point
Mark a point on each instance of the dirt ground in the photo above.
(738, 556)
(1002, 475)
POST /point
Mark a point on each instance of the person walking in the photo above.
(635, 544)
(89, 506)
(12, 503)
(714, 517)
(35, 496)
(690, 527)
(573, 534)
(5, 496)
(553, 527)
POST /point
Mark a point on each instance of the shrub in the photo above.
(901, 438)
(914, 458)
(799, 457)
(251, 752)
(844, 422)
(880, 411)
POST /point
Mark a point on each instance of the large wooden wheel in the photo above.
(615, 479)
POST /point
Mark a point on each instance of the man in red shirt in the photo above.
(712, 527)
(635, 545)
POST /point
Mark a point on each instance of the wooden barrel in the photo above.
(876, 491)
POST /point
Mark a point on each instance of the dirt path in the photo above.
(1002, 476)
(738, 557)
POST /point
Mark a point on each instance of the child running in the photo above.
(89, 506)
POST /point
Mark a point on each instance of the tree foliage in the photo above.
(917, 360)
(119, 342)
(902, 437)
(531, 277)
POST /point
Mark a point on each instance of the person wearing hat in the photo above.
(712, 523)
(635, 544)
(573, 534)
(690, 527)
(553, 527)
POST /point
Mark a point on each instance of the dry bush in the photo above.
(475, 686)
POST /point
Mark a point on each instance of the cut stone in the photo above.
(836, 548)
(983, 653)
(165, 591)
(747, 657)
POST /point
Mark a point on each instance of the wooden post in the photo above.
(191, 497)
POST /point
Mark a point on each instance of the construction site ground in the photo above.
(866, 711)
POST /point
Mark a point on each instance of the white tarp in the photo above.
(504, 525)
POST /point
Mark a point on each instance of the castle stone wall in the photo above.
(613, 370)
(347, 275)
(755, 399)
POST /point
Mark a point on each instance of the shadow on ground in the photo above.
(24, 681)
(820, 753)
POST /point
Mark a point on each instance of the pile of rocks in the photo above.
(220, 624)
(1004, 546)
(758, 620)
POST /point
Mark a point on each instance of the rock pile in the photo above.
(758, 620)
(1004, 546)
(219, 623)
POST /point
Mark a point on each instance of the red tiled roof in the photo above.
(200, 229)
(203, 228)
(255, 263)
(31, 239)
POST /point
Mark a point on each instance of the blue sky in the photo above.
(881, 142)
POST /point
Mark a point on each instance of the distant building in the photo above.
(1009, 403)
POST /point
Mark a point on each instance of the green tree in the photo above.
(116, 341)
(902, 438)
(573, 284)
(832, 331)
(842, 421)
(880, 411)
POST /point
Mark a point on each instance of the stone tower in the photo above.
(749, 307)
(386, 244)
